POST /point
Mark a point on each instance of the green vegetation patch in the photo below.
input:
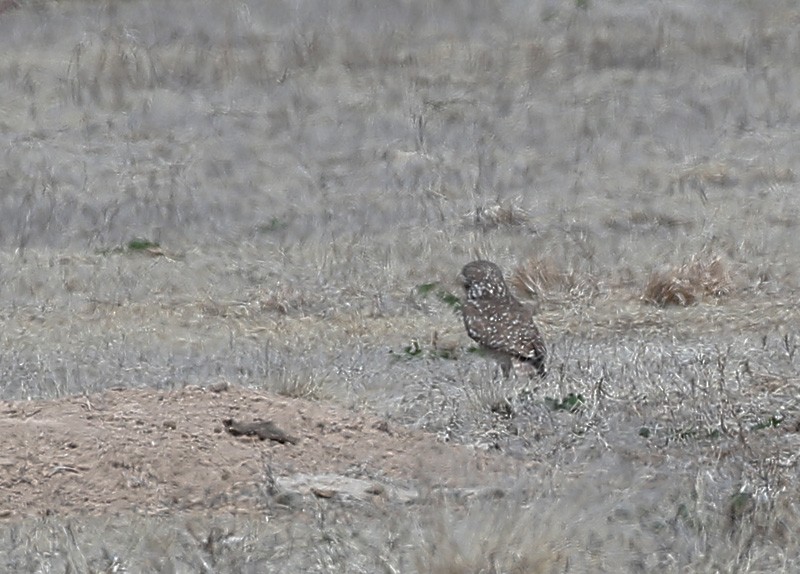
(416, 351)
(434, 289)
(142, 245)
(772, 422)
(571, 403)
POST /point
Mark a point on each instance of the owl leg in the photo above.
(505, 366)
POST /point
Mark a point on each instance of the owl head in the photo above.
(483, 280)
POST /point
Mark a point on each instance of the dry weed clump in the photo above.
(686, 284)
(540, 275)
(282, 300)
(503, 214)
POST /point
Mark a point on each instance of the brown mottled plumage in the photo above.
(497, 321)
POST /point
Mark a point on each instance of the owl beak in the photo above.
(463, 280)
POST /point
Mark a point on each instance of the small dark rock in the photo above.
(264, 430)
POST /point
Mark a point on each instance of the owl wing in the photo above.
(528, 346)
(507, 328)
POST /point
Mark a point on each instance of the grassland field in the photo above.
(278, 196)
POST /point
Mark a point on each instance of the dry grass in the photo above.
(313, 166)
(541, 277)
(685, 285)
(499, 215)
(589, 528)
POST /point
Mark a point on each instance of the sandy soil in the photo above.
(154, 452)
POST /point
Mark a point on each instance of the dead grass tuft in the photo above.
(283, 300)
(686, 284)
(540, 275)
(501, 214)
(301, 386)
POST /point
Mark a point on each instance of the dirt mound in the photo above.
(151, 451)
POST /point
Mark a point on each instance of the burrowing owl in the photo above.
(498, 322)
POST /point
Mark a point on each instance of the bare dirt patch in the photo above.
(155, 452)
